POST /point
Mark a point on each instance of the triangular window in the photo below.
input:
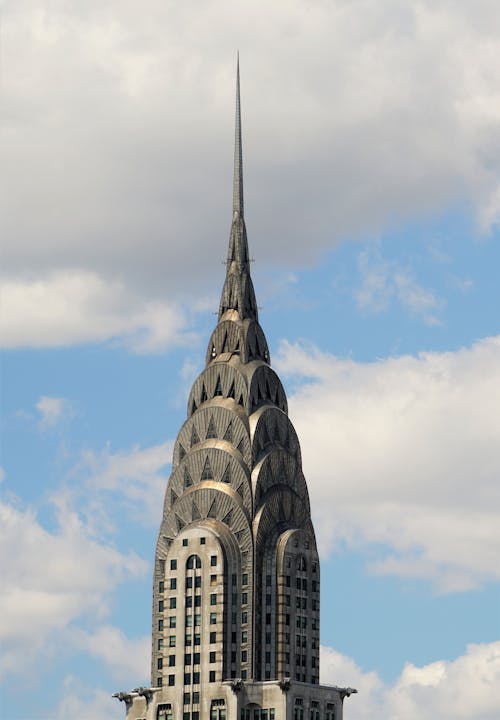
(241, 446)
(193, 407)
(240, 401)
(240, 534)
(212, 512)
(237, 348)
(228, 435)
(180, 523)
(203, 394)
(227, 518)
(241, 489)
(231, 390)
(194, 437)
(227, 474)
(224, 343)
(187, 478)
(182, 452)
(195, 513)
(206, 473)
(218, 387)
(211, 431)
(173, 497)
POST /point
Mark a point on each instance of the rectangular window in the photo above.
(298, 583)
(173, 583)
(268, 657)
(189, 601)
(189, 582)
(244, 656)
(196, 715)
(184, 542)
(187, 678)
(287, 600)
(212, 656)
(160, 606)
(233, 579)
(160, 644)
(196, 698)
(213, 579)
(160, 624)
(197, 581)
(213, 560)
(314, 585)
(211, 676)
(196, 678)
(268, 599)
(244, 598)
(287, 619)
(188, 640)
(172, 621)
(187, 698)
(213, 618)
(161, 586)
(197, 639)
(244, 579)
(213, 599)
(304, 584)
(173, 603)
(203, 541)
(244, 617)
(287, 580)
(196, 658)
(171, 660)
(243, 674)
(213, 637)
(159, 682)
(171, 641)
(197, 620)
(159, 663)
(244, 636)
(268, 638)
(268, 618)
(187, 659)
(268, 580)
(197, 600)
(171, 680)
(186, 716)
(189, 621)
(173, 564)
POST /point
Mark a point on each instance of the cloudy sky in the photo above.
(372, 188)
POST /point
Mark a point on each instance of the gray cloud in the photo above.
(118, 127)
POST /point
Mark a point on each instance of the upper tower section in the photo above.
(238, 297)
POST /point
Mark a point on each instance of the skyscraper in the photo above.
(236, 590)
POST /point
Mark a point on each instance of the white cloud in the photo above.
(79, 307)
(403, 453)
(127, 660)
(383, 281)
(51, 409)
(53, 579)
(467, 687)
(132, 479)
(84, 703)
(118, 139)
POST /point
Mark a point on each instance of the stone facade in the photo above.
(236, 592)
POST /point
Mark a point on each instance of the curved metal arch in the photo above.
(278, 467)
(220, 457)
(266, 389)
(233, 384)
(283, 509)
(271, 427)
(223, 412)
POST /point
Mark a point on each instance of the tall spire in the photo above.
(238, 293)
(238, 156)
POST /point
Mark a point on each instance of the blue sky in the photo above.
(372, 188)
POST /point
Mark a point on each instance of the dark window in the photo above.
(159, 682)
(161, 586)
(203, 541)
(189, 582)
(212, 657)
(187, 678)
(244, 598)
(173, 583)
(244, 656)
(213, 618)
(213, 637)
(213, 560)
(287, 580)
(304, 584)
(197, 581)
(171, 641)
(197, 620)
(193, 561)
(244, 579)
(268, 657)
(244, 617)
(213, 599)
(159, 663)
(189, 601)
(160, 624)
(211, 676)
(243, 674)
(171, 660)
(196, 678)
(184, 542)
(160, 606)
(268, 580)
(244, 636)
(187, 659)
(173, 564)
(268, 599)
(187, 698)
(173, 603)
(188, 640)
(197, 601)
(196, 697)
(196, 658)
(160, 644)
(172, 621)
(197, 639)
(171, 680)
(268, 618)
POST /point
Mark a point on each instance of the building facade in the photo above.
(236, 595)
